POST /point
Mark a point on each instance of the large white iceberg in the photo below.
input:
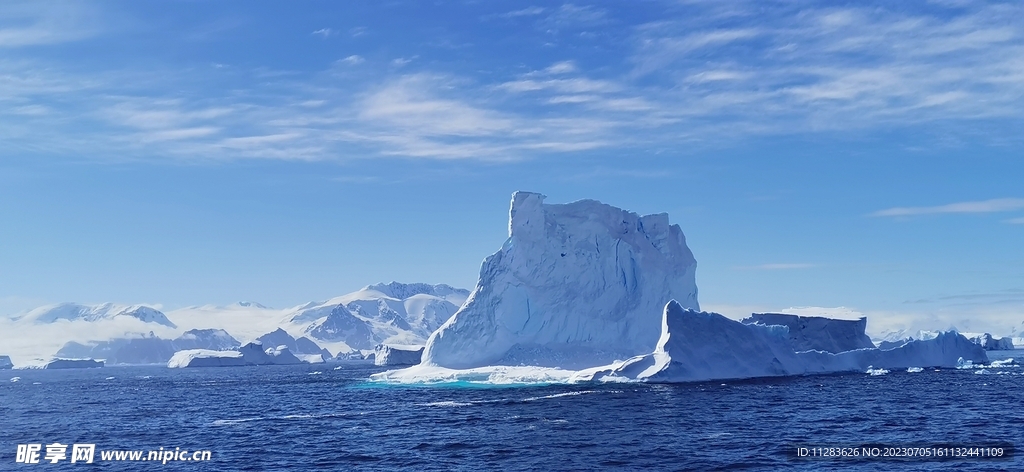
(575, 285)
(705, 346)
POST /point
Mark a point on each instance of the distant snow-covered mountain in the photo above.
(75, 311)
(394, 313)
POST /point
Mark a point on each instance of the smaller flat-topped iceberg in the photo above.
(251, 353)
(699, 346)
(817, 333)
(73, 364)
(696, 346)
(397, 354)
(206, 358)
(992, 343)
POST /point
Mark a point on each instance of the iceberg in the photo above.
(73, 364)
(697, 346)
(575, 285)
(992, 343)
(816, 333)
(5, 363)
(391, 354)
(302, 345)
(249, 354)
(255, 354)
(282, 355)
(312, 358)
(206, 358)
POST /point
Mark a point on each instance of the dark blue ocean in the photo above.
(313, 417)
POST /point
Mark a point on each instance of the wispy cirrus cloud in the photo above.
(324, 33)
(24, 23)
(985, 206)
(704, 72)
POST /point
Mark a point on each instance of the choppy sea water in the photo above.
(316, 417)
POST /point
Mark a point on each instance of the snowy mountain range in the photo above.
(106, 311)
(394, 313)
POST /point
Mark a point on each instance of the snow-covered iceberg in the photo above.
(251, 353)
(206, 358)
(818, 333)
(282, 355)
(396, 354)
(73, 364)
(992, 343)
(698, 346)
(575, 285)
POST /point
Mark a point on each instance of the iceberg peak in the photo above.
(576, 284)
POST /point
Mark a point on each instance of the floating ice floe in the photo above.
(872, 371)
(1004, 363)
(914, 370)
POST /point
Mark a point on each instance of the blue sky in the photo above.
(866, 155)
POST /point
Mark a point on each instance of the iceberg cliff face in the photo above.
(575, 285)
(818, 333)
(386, 354)
(992, 343)
(206, 358)
(73, 364)
(697, 346)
